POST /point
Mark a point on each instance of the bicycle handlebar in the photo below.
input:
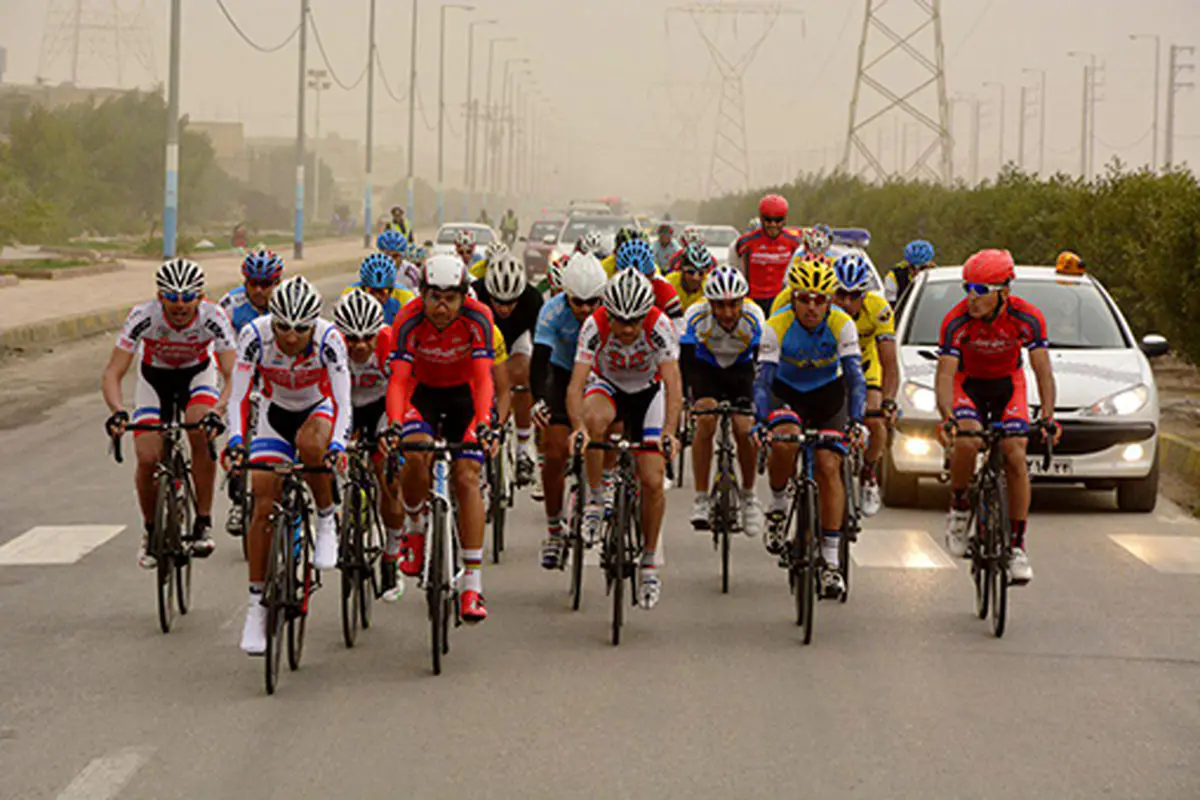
(638, 448)
(994, 434)
(159, 427)
(723, 409)
(437, 447)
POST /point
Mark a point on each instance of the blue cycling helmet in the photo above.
(636, 254)
(852, 272)
(391, 241)
(262, 265)
(377, 272)
(918, 253)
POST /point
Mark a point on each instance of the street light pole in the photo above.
(317, 82)
(498, 166)
(1157, 92)
(1041, 120)
(298, 235)
(489, 127)
(1088, 77)
(368, 212)
(412, 117)
(1002, 93)
(472, 118)
(441, 161)
(171, 179)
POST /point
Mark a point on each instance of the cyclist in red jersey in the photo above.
(442, 379)
(765, 253)
(980, 380)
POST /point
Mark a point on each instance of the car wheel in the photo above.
(1139, 494)
(899, 489)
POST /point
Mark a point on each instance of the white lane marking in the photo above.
(1174, 520)
(56, 544)
(1179, 555)
(103, 778)
(899, 549)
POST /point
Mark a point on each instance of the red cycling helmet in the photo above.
(992, 267)
(772, 205)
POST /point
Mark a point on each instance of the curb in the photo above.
(79, 326)
(1180, 456)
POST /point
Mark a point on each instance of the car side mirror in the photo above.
(522, 238)
(549, 238)
(1154, 345)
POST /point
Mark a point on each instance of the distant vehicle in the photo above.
(719, 240)
(539, 243)
(588, 208)
(443, 243)
(1107, 401)
(575, 227)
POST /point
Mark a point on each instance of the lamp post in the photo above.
(1157, 92)
(318, 83)
(1041, 118)
(1087, 129)
(441, 199)
(490, 127)
(1000, 86)
(472, 119)
(497, 166)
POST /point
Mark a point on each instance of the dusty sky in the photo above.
(630, 93)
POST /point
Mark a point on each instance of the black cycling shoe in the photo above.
(201, 543)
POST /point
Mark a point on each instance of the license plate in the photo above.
(1058, 467)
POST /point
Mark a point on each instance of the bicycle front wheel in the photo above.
(499, 504)
(350, 564)
(618, 561)
(159, 545)
(275, 596)
(724, 518)
(575, 504)
(807, 544)
(1001, 534)
(435, 588)
(184, 518)
(298, 598)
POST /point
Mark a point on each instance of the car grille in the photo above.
(1080, 437)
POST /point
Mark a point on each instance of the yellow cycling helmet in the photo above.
(1069, 264)
(812, 274)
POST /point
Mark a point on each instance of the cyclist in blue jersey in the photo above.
(262, 270)
(810, 373)
(554, 341)
(377, 277)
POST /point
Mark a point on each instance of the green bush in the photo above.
(1139, 232)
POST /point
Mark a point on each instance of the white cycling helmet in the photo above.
(505, 279)
(591, 242)
(180, 276)
(444, 272)
(358, 314)
(295, 302)
(628, 295)
(584, 277)
(725, 283)
(464, 238)
(691, 235)
(554, 272)
(495, 249)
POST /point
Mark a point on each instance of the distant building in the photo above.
(16, 99)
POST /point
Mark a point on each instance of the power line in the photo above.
(1139, 140)
(329, 64)
(421, 105)
(383, 77)
(974, 25)
(229, 18)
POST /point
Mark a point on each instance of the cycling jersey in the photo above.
(804, 360)
(368, 380)
(478, 267)
(686, 299)
(461, 354)
(765, 260)
(523, 319)
(558, 329)
(717, 346)
(630, 367)
(164, 345)
(298, 385)
(399, 299)
(409, 275)
(992, 348)
(237, 306)
(663, 254)
(875, 323)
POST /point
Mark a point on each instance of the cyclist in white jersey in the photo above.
(721, 335)
(627, 371)
(178, 334)
(301, 361)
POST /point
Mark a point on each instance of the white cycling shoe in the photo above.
(871, 501)
(753, 518)
(1020, 571)
(325, 549)
(956, 532)
(254, 632)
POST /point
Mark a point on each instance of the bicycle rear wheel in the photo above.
(184, 505)
(351, 564)
(844, 561)
(159, 546)
(275, 595)
(302, 585)
(808, 545)
(723, 519)
(499, 503)
(434, 588)
(1001, 533)
(575, 528)
(618, 561)
(981, 566)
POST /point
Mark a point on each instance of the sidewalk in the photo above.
(44, 312)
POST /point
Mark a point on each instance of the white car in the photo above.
(574, 228)
(443, 243)
(720, 240)
(1106, 401)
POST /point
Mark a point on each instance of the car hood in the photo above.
(1082, 377)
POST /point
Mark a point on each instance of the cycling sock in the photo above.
(149, 526)
(392, 549)
(868, 473)
(829, 547)
(472, 570)
(325, 513)
(595, 497)
(202, 519)
(554, 525)
(256, 588)
(779, 499)
(1018, 533)
(960, 501)
(524, 440)
(648, 560)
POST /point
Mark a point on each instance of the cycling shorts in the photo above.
(734, 383)
(370, 419)
(989, 400)
(449, 410)
(163, 393)
(823, 408)
(523, 346)
(275, 435)
(641, 413)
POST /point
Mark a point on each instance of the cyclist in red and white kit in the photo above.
(301, 363)
(627, 371)
(980, 380)
(442, 384)
(183, 339)
(765, 253)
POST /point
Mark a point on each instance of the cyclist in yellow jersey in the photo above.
(626, 234)
(694, 263)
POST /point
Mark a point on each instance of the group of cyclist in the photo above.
(790, 333)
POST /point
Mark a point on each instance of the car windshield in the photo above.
(446, 234)
(605, 226)
(719, 237)
(542, 229)
(1077, 315)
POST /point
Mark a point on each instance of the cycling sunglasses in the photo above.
(981, 289)
(581, 303)
(283, 327)
(180, 297)
(357, 339)
(624, 321)
(857, 294)
(267, 284)
(810, 298)
(777, 220)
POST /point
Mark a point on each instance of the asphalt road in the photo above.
(1093, 692)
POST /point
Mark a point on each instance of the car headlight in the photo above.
(1125, 402)
(921, 398)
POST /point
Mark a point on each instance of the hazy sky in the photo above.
(634, 91)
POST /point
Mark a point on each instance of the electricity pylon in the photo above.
(90, 33)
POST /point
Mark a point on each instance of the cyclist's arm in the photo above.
(114, 372)
(889, 360)
(890, 288)
(483, 389)
(503, 391)
(240, 384)
(671, 377)
(225, 362)
(856, 386)
(579, 377)
(1043, 372)
(539, 369)
(944, 384)
(338, 369)
(400, 389)
(768, 364)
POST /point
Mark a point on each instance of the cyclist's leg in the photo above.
(272, 443)
(202, 396)
(503, 391)
(413, 482)
(312, 443)
(518, 374)
(877, 427)
(599, 413)
(827, 411)
(969, 412)
(464, 478)
(704, 379)
(643, 414)
(1015, 417)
